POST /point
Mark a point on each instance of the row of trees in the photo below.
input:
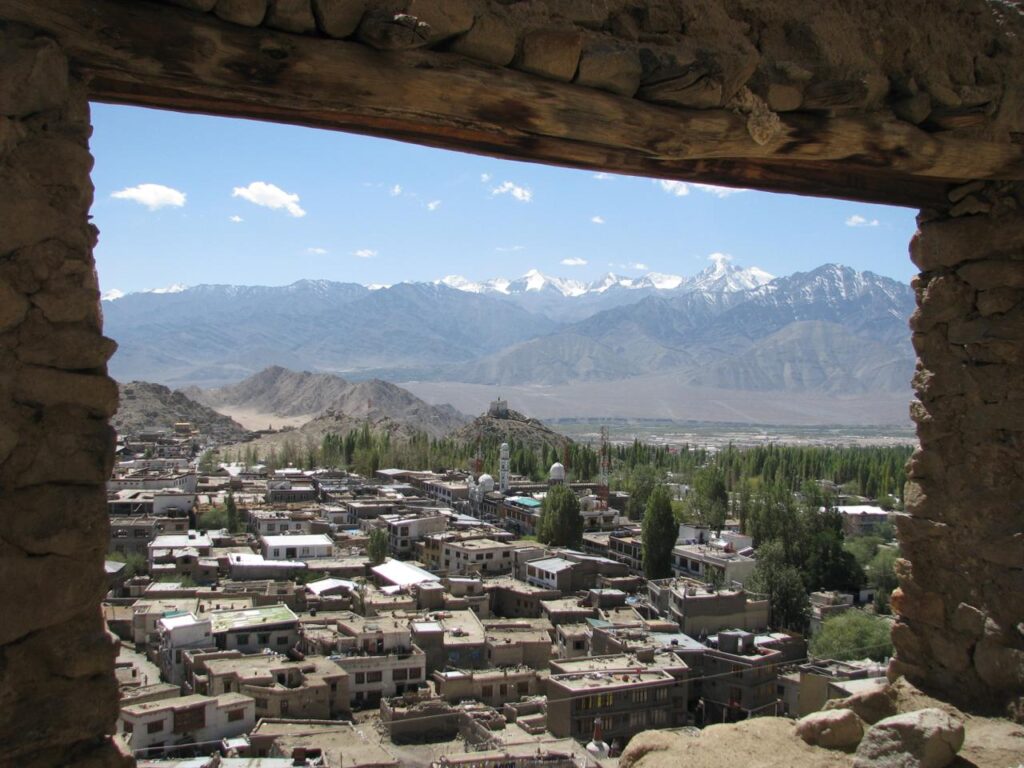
(875, 472)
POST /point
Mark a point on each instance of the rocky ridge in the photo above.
(144, 406)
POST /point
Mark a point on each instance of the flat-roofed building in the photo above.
(273, 522)
(626, 694)
(297, 547)
(179, 633)
(518, 599)
(490, 686)
(151, 726)
(404, 531)
(709, 563)
(550, 573)
(163, 548)
(165, 502)
(314, 688)
(251, 630)
(131, 535)
(627, 549)
(740, 678)
(701, 611)
(484, 556)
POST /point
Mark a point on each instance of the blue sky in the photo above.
(191, 199)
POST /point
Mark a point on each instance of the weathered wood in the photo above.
(161, 56)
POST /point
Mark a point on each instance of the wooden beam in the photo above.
(156, 55)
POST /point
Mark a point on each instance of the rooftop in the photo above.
(225, 621)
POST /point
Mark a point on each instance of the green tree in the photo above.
(882, 576)
(214, 519)
(561, 524)
(377, 546)
(209, 461)
(640, 484)
(782, 584)
(709, 498)
(659, 534)
(852, 634)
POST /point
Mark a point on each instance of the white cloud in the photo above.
(270, 196)
(317, 251)
(573, 262)
(720, 258)
(396, 190)
(677, 188)
(509, 248)
(364, 253)
(235, 219)
(682, 188)
(485, 177)
(859, 221)
(522, 194)
(433, 205)
(637, 265)
(597, 219)
(602, 176)
(153, 196)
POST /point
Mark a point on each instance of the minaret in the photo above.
(503, 483)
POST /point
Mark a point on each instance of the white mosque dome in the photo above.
(486, 482)
(557, 471)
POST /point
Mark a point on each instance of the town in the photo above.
(450, 618)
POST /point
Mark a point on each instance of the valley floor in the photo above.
(661, 397)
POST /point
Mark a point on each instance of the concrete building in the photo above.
(376, 676)
(152, 726)
(484, 556)
(300, 547)
(179, 633)
(550, 573)
(314, 688)
(165, 502)
(273, 522)
(740, 678)
(626, 694)
(863, 519)
(700, 611)
(406, 530)
(131, 535)
(707, 563)
(490, 686)
(272, 627)
(164, 547)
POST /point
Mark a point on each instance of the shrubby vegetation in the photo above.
(850, 635)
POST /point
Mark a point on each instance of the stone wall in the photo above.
(58, 696)
(951, 71)
(961, 595)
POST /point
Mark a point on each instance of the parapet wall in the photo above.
(58, 695)
(961, 595)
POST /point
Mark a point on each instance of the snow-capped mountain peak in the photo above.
(725, 277)
(534, 281)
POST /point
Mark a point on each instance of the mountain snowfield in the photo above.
(721, 276)
(832, 336)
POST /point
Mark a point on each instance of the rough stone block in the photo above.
(995, 301)
(291, 16)
(870, 706)
(67, 345)
(44, 387)
(590, 14)
(339, 18)
(33, 77)
(914, 109)
(610, 68)
(952, 242)
(64, 519)
(247, 13)
(388, 31)
(490, 39)
(993, 274)
(969, 620)
(551, 53)
(928, 738)
(447, 18)
(925, 607)
(13, 308)
(783, 97)
(833, 729)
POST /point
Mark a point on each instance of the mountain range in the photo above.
(833, 332)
